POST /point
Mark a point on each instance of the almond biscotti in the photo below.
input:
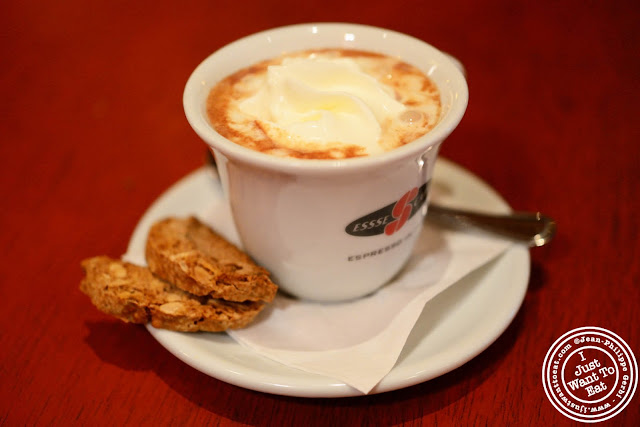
(187, 253)
(133, 294)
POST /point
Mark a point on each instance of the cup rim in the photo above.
(192, 103)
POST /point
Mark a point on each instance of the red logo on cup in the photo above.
(390, 218)
(401, 212)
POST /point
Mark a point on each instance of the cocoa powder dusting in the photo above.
(224, 97)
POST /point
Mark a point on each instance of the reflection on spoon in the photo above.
(532, 228)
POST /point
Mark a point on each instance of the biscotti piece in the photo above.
(131, 293)
(186, 252)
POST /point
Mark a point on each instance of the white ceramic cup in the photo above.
(328, 230)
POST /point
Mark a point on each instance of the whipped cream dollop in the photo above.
(323, 100)
(325, 104)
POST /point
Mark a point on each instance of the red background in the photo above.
(93, 131)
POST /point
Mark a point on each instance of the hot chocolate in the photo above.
(325, 104)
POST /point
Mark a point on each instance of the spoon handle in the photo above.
(534, 229)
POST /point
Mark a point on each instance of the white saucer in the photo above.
(459, 323)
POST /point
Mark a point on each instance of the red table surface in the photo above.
(93, 131)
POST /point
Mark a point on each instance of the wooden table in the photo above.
(93, 131)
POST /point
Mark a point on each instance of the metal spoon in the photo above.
(534, 229)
